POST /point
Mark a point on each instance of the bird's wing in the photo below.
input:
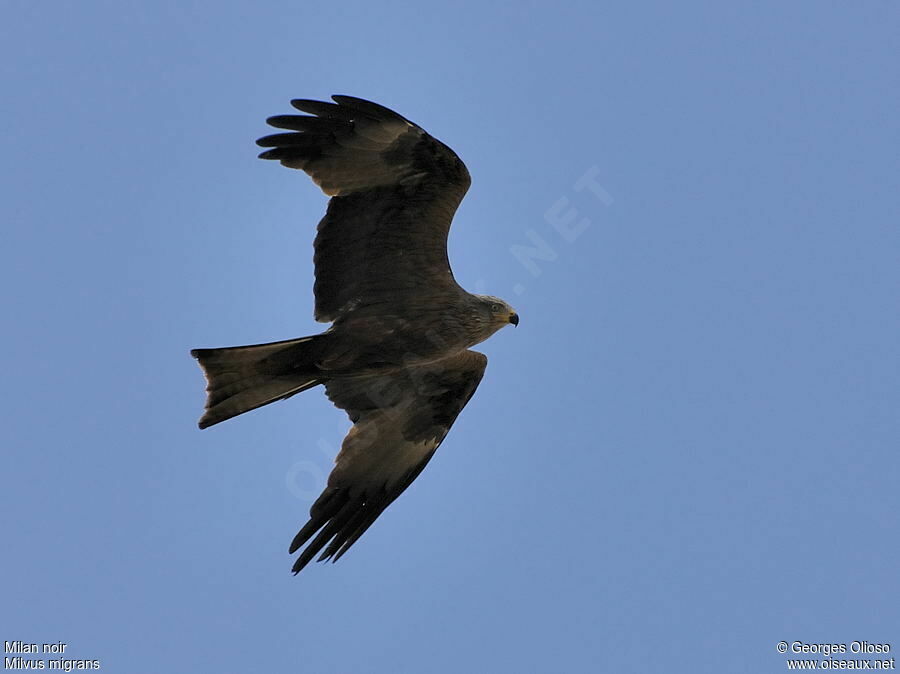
(399, 420)
(394, 191)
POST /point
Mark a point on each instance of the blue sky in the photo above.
(687, 451)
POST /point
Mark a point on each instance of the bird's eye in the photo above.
(496, 307)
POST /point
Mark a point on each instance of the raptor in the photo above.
(397, 356)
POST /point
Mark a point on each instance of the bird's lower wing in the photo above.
(399, 420)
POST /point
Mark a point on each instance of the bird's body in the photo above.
(396, 357)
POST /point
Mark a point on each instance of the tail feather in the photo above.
(242, 378)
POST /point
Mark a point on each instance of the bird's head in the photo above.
(499, 313)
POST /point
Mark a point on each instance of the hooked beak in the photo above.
(514, 319)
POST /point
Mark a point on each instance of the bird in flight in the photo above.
(397, 356)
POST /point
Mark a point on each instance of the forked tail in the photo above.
(242, 378)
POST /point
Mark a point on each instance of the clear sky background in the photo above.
(688, 451)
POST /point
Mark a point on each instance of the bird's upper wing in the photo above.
(395, 190)
(399, 420)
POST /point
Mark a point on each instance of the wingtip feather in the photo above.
(368, 108)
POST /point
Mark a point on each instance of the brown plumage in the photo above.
(396, 357)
